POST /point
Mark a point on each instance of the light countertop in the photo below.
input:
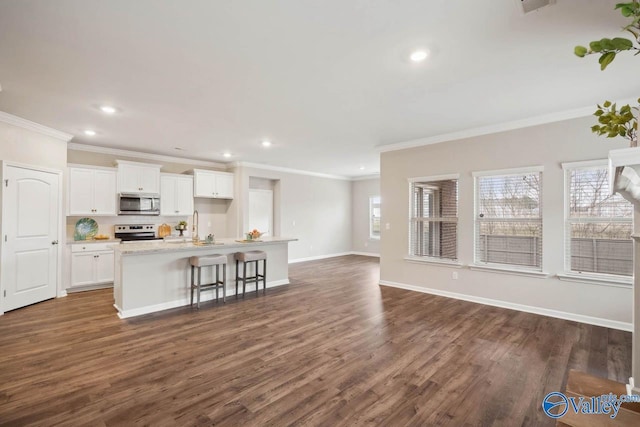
(87, 242)
(221, 244)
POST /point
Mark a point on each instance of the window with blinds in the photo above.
(374, 217)
(598, 223)
(433, 225)
(508, 221)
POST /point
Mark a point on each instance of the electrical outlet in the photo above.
(209, 224)
(387, 226)
(454, 275)
(366, 244)
(293, 223)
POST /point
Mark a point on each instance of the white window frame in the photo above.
(507, 268)
(576, 276)
(427, 259)
(371, 203)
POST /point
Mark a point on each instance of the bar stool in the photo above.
(245, 258)
(209, 261)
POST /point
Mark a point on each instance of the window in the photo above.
(433, 225)
(508, 220)
(374, 217)
(598, 224)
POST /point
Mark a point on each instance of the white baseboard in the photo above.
(88, 288)
(366, 254)
(318, 257)
(597, 321)
(208, 296)
(315, 258)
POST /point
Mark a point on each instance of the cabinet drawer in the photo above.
(92, 247)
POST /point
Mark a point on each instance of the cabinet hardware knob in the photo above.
(55, 242)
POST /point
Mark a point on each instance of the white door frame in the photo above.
(61, 223)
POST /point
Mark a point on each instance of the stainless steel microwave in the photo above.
(139, 204)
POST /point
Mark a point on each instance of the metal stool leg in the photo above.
(224, 283)
(244, 278)
(264, 277)
(192, 283)
(217, 281)
(237, 278)
(199, 284)
(257, 281)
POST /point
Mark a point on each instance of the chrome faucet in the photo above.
(196, 219)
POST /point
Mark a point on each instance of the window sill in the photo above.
(434, 261)
(596, 280)
(507, 270)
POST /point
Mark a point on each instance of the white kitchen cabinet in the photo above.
(134, 177)
(91, 191)
(176, 195)
(216, 185)
(91, 264)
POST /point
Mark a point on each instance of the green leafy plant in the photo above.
(614, 122)
(609, 48)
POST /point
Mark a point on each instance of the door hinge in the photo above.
(5, 293)
(6, 182)
(5, 237)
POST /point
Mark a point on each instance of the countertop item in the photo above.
(160, 246)
(86, 228)
(164, 230)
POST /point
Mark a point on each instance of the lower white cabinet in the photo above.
(91, 264)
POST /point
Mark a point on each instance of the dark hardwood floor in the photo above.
(333, 349)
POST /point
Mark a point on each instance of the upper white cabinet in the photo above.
(216, 185)
(134, 177)
(91, 191)
(176, 194)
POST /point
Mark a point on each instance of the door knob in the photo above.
(55, 242)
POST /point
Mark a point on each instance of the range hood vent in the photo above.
(527, 6)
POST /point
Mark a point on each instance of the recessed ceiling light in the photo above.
(107, 109)
(90, 132)
(266, 143)
(361, 168)
(227, 155)
(419, 55)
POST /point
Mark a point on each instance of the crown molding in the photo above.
(497, 128)
(289, 170)
(146, 156)
(33, 126)
(366, 177)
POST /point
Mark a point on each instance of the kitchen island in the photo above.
(151, 277)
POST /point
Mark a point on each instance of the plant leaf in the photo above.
(580, 51)
(622, 43)
(595, 46)
(606, 59)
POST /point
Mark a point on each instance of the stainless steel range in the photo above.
(135, 232)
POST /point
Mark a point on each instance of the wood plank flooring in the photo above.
(333, 349)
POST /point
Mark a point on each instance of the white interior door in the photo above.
(261, 211)
(30, 225)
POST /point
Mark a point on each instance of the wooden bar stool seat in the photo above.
(198, 262)
(245, 258)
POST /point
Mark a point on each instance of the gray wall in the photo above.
(361, 192)
(315, 210)
(547, 145)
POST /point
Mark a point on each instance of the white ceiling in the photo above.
(327, 81)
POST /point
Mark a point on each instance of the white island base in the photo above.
(151, 277)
